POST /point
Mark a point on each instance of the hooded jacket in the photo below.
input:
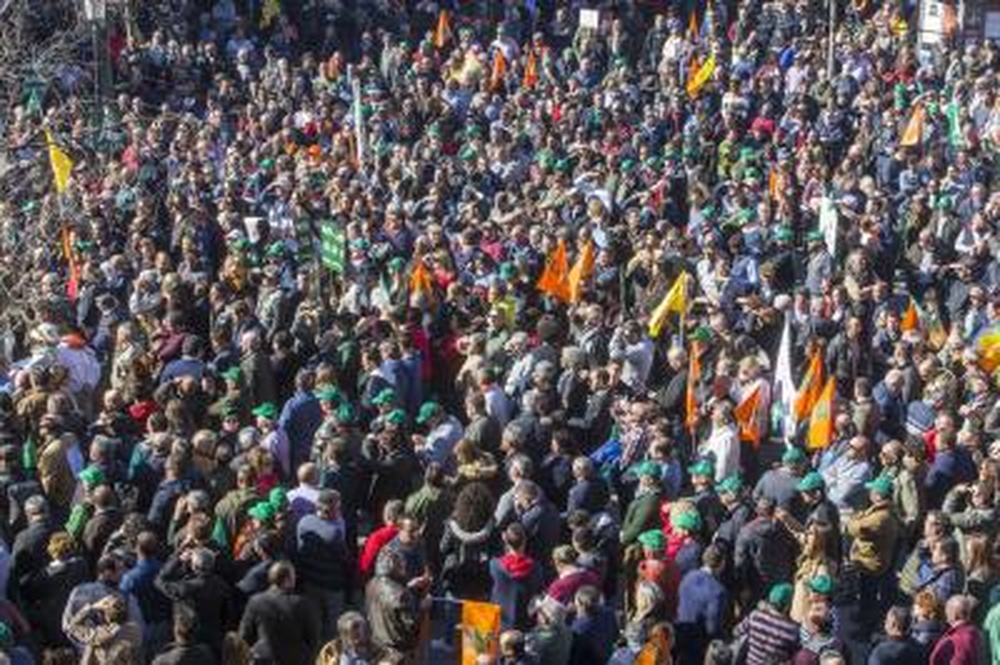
(516, 579)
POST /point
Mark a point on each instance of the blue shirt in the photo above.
(300, 418)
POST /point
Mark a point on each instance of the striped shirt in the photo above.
(771, 637)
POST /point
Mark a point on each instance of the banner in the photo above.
(480, 631)
(332, 247)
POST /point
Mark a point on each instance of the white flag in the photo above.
(828, 223)
(782, 409)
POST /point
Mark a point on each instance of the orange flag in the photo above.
(693, 31)
(555, 278)
(821, 421)
(746, 417)
(811, 387)
(690, 396)
(421, 280)
(949, 20)
(693, 66)
(914, 132)
(442, 32)
(581, 271)
(530, 71)
(911, 318)
(499, 70)
(480, 631)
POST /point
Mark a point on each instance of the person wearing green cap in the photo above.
(396, 418)
(875, 532)
(273, 438)
(735, 511)
(443, 432)
(771, 636)
(781, 484)
(644, 509)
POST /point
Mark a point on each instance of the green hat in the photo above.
(627, 164)
(783, 233)
(563, 165)
(427, 411)
(653, 539)
(821, 584)
(811, 482)
(384, 397)
(278, 498)
(230, 409)
(780, 595)
(648, 468)
(729, 485)
(654, 163)
(815, 236)
(882, 485)
(262, 511)
(507, 271)
(396, 417)
(396, 264)
(689, 520)
(468, 153)
(266, 163)
(793, 456)
(234, 373)
(344, 414)
(92, 476)
(328, 394)
(266, 410)
(701, 334)
(276, 249)
(702, 468)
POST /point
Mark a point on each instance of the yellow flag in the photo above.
(674, 301)
(480, 631)
(62, 165)
(914, 132)
(270, 11)
(581, 271)
(701, 77)
(821, 420)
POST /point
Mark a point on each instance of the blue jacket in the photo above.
(300, 418)
(703, 604)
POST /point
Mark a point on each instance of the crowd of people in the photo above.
(641, 323)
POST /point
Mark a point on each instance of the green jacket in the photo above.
(642, 514)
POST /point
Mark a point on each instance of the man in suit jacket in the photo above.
(281, 626)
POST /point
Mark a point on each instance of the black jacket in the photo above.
(206, 594)
(282, 628)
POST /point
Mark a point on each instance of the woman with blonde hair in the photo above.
(817, 558)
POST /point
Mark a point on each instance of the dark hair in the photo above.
(185, 623)
(515, 536)
(473, 507)
(280, 574)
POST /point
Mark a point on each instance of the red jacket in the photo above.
(373, 545)
(960, 645)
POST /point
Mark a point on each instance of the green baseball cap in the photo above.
(92, 476)
(384, 397)
(811, 482)
(689, 520)
(729, 485)
(262, 511)
(648, 468)
(793, 456)
(345, 414)
(701, 334)
(653, 539)
(702, 468)
(266, 410)
(427, 411)
(815, 236)
(230, 409)
(780, 595)
(821, 584)
(328, 394)
(278, 498)
(396, 417)
(783, 234)
(234, 373)
(882, 485)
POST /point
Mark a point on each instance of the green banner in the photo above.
(333, 246)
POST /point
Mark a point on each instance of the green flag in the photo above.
(29, 455)
(332, 248)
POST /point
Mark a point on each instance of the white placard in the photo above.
(590, 18)
(992, 27)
